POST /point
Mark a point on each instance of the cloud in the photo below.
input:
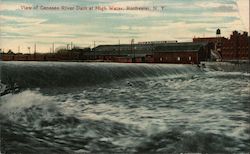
(205, 5)
(213, 4)
(6, 6)
(22, 20)
(181, 31)
(243, 6)
(181, 20)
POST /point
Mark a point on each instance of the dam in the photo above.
(69, 107)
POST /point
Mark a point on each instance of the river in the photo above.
(69, 107)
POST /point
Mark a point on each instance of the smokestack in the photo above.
(35, 48)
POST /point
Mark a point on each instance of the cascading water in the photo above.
(33, 75)
(106, 107)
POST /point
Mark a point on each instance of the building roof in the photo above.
(180, 47)
(208, 39)
(127, 49)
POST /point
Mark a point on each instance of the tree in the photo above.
(10, 52)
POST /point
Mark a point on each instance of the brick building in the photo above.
(234, 48)
(181, 53)
(178, 53)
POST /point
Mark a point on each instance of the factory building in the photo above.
(183, 53)
(234, 48)
(214, 43)
(124, 52)
(177, 53)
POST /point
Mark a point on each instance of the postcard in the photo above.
(124, 76)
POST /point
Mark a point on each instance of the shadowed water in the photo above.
(78, 107)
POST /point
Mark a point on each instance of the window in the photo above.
(190, 58)
(179, 58)
(161, 59)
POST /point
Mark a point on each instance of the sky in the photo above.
(162, 20)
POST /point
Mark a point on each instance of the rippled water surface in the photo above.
(124, 108)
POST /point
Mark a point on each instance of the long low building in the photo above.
(184, 53)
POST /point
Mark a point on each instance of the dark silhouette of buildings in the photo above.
(234, 48)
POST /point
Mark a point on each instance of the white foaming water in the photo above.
(23, 100)
(197, 102)
(22, 107)
(152, 113)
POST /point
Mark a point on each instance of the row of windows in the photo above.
(124, 49)
(234, 48)
(235, 54)
(177, 58)
(233, 51)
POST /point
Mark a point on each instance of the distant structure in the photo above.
(201, 49)
(157, 42)
(219, 41)
(218, 33)
(176, 53)
(234, 48)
